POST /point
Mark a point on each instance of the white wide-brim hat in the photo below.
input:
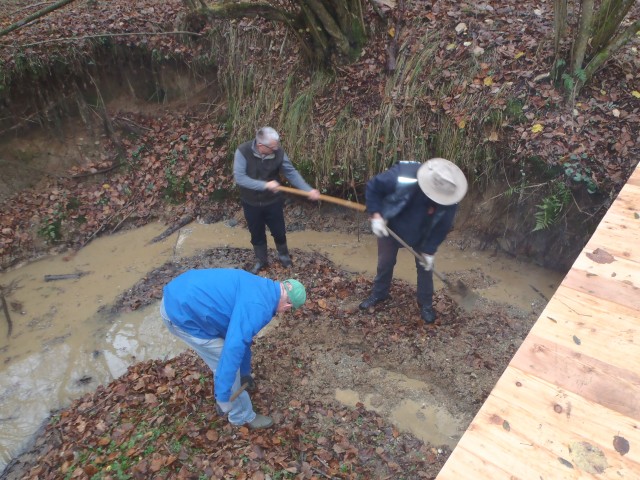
(442, 181)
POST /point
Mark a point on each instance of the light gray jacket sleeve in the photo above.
(240, 174)
(294, 177)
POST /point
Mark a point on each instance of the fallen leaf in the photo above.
(601, 256)
(621, 445)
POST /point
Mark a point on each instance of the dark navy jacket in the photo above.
(416, 218)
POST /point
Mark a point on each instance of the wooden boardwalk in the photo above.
(568, 404)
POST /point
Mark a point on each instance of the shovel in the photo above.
(464, 297)
(326, 198)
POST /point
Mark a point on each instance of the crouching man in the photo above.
(218, 312)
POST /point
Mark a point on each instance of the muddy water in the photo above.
(62, 346)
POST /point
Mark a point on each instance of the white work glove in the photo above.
(427, 261)
(379, 227)
(224, 407)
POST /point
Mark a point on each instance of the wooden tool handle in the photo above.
(326, 198)
(415, 254)
(242, 388)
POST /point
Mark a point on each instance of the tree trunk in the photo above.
(34, 16)
(582, 37)
(598, 37)
(330, 31)
(608, 50)
(607, 21)
(559, 24)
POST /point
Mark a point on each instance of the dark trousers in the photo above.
(258, 218)
(387, 254)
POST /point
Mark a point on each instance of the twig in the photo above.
(65, 276)
(317, 470)
(123, 219)
(316, 457)
(539, 293)
(34, 16)
(6, 314)
(28, 7)
(101, 35)
(105, 223)
(521, 188)
(128, 120)
(98, 172)
(542, 76)
(183, 221)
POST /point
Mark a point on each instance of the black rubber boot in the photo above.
(283, 255)
(262, 258)
(371, 301)
(427, 314)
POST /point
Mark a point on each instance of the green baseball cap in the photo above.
(296, 292)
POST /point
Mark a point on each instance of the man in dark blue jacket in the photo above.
(217, 312)
(418, 202)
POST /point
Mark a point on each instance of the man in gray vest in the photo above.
(257, 167)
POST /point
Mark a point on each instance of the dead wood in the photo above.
(183, 221)
(5, 308)
(64, 276)
(34, 16)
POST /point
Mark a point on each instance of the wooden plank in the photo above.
(567, 418)
(623, 292)
(616, 242)
(572, 316)
(570, 398)
(512, 437)
(634, 179)
(597, 381)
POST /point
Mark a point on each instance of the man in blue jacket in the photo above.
(217, 312)
(418, 202)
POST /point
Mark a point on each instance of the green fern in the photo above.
(549, 210)
(568, 82)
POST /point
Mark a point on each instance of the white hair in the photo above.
(267, 135)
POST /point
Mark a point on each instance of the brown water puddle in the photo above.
(62, 347)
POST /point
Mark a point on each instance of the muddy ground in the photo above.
(330, 346)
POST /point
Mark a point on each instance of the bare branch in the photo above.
(33, 16)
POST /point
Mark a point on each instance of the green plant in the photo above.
(51, 227)
(514, 110)
(177, 182)
(549, 210)
(135, 155)
(579, 173)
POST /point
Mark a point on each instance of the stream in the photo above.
(63, 345)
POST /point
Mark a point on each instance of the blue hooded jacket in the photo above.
(223, 303)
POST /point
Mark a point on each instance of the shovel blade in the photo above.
(463, 296)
